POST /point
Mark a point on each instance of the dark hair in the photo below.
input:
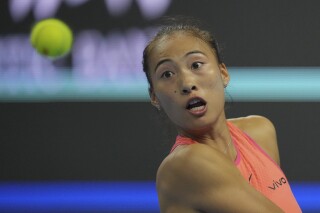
(181, 24)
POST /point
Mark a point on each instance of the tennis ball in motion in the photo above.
(51, 38)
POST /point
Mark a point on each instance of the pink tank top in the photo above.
(258, 169)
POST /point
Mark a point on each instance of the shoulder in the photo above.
(262, 131)
(198, 178)
(186, 164)
(188, 176)
(254, 123)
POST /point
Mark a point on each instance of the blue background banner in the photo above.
(107, 196)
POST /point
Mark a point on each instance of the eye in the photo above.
(196, 65)
(167, 74)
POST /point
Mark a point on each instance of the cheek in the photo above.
(214, 90)
(169, 103)
(166, 98)
(213, 82)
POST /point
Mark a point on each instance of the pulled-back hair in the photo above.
(180, 24)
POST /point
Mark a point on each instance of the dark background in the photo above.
(127, 140)
(104, 140)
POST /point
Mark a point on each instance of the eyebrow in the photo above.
(195, 52)
(161, 62)
(187, 54)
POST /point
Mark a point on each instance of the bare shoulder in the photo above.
(254, 123)
(262, 130)
(182, 175)
(197, 178)
(186, 164)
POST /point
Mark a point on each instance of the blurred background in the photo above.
(78, 134)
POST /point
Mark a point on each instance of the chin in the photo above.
(198, 127)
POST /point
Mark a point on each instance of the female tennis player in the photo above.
(216, 164)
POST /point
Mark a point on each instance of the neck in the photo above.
(216, 135)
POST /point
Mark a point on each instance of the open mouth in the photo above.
(196, 104)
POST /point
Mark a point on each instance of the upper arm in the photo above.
(200, 179)
(262, 131)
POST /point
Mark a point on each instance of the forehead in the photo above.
(176, 45)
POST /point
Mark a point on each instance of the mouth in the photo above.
(196, 105)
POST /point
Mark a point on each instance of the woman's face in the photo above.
(188, 83)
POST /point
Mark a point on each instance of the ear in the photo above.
(153, 99)
(224, 74)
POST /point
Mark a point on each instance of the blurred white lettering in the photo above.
(19, 9)
(114, 57)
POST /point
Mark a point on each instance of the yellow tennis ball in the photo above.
(52, 38)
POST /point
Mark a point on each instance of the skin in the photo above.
(202, 177)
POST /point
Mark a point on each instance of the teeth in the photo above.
(194, 101)
(195, 104)
(197, 108)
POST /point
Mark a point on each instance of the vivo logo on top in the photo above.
(150, 9)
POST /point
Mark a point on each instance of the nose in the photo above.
(187, 84)
(187, 89)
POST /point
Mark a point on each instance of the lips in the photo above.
(196, 105)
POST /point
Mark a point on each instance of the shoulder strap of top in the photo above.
(180, 140)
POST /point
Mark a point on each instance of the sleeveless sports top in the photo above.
(258, 169)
